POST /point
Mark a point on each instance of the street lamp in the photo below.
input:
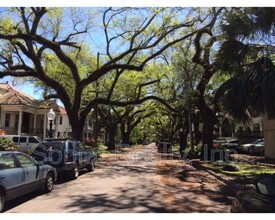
(51, 117)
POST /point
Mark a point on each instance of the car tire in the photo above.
(91, 167)
(250, 151)
(75, 172)
(48, 187)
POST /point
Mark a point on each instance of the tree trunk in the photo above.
(111, 138)
(125, 134)
(77, 125)
(183, 134)
(197, 132)
(183, 142)
(125, 137)
(207, 134)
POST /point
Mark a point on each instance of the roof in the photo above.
(62, 110)
(9, 95)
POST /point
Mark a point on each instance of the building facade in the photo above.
(269, 136)
(21, 114)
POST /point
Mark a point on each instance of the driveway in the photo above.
(138, 181)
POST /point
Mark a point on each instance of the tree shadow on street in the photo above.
(194, 190)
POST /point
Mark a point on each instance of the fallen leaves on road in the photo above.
(186, 189)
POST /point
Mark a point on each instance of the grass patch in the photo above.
(245, 169)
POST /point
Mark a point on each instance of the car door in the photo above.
(23, 144)
(11, 176)
(30, 170)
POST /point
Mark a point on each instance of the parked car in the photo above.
(244, 148)
(66, 156)
(164, 146)
(25, 142)
(231, 144)
(259, 200)
(257, 148)
(21, 174)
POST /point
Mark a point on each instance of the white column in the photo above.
(220, 131)
(45, 127)
(56, 125)
(261, 126)
(34, 123)
(19, 123)
(232, 129)
(2, 119)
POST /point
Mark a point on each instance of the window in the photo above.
(33, 140)
(81, 147)
(24, 160)
(6, 161)
(16, 120)
(60, 120)
(15, 139)
(70, 147)
(7, 120)
(23, 139)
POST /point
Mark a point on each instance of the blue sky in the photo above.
(27, 88)
(134, 3)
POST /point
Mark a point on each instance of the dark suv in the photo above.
(66, 156)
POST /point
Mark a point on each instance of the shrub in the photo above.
(7, 144)
(218, 163)
(231, 167)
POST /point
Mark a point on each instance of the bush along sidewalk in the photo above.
(7, 144)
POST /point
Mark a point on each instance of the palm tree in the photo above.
(247, 55)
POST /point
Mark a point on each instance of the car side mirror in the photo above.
(266, 185)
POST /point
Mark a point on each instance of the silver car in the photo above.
(21, 174)
(244, 148)
(257, 148)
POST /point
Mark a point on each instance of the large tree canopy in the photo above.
(129, 38)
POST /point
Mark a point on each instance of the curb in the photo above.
(234, 186)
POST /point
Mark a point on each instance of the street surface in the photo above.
(140, 180)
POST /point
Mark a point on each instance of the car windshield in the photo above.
(37, 138)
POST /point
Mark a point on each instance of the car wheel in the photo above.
(2, 200)
(250, 151)
(91, 167)
(75, 172)
(49, 183)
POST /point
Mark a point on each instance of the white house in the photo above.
(63, 127)
(22, 114)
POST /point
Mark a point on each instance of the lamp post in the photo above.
(51, 117)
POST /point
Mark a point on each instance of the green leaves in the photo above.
(7, 26)
(7, 144)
